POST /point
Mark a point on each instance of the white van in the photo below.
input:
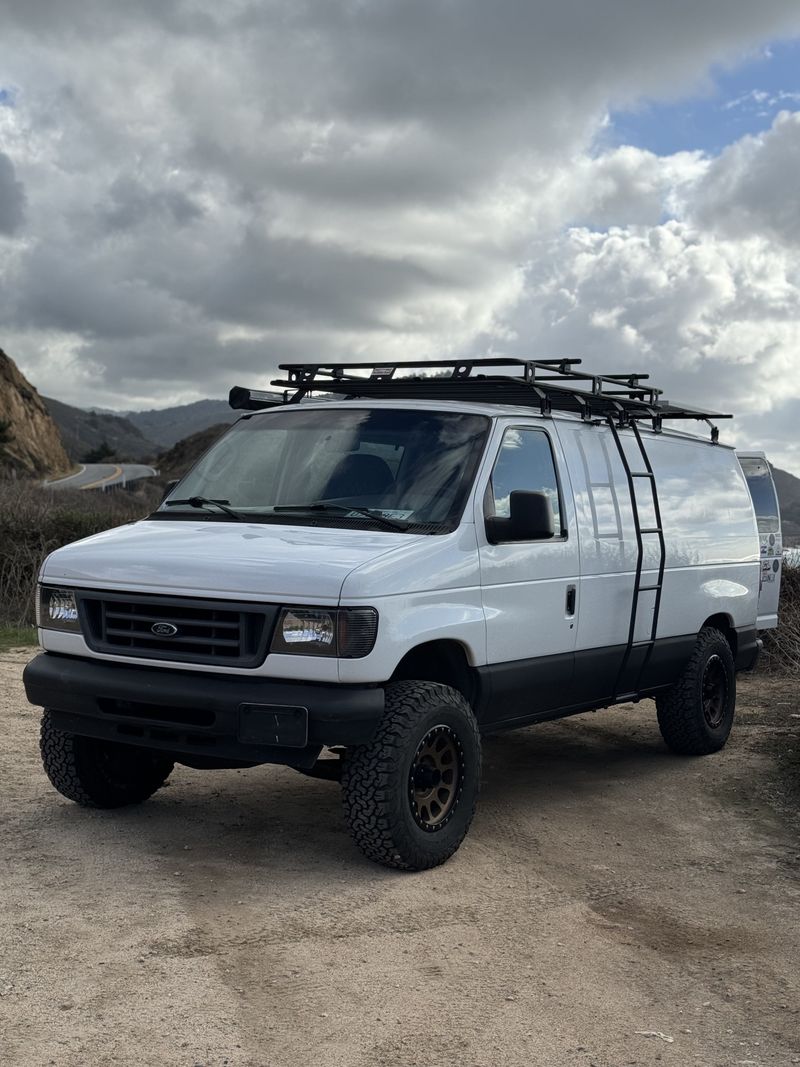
(361, 586)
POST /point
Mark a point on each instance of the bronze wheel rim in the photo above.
(715, 692)
(436, 778)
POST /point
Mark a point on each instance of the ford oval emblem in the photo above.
(163, 629)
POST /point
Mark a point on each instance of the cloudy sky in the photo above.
(192, 192)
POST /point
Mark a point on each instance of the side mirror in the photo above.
(531, 519)
(168, 488)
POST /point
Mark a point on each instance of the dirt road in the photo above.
(613, 905)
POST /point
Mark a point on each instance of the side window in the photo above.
(762, 491)
(525, 461)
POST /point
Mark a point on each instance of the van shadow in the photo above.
(228, 824)
(583, 755)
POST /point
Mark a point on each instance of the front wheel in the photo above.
(696, 715)
(410, 794)
(100, 774)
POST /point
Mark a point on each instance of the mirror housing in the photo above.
(168, 488)
(531, 519)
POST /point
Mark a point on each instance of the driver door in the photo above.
(529, 589)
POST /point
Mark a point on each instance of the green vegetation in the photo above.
(16, 637)
(100, 454)
(35, 521)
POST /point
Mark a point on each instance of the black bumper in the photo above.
(212, 719)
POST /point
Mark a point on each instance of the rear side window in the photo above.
(762, 491)
(525, 461)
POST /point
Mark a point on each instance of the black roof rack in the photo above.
(549, 385)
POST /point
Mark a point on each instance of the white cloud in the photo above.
(715, 321)
(209, 190)
(752, 189)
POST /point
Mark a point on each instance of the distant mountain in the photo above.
(788, 489)
(166, 426)
(87, 434)
(30, 444)
(184, 454)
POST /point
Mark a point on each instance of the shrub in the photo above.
(781, 652)
(35, 521)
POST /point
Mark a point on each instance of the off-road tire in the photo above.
(100, 774)
(380, 798)
(691, 722)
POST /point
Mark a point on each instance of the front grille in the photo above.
(205, 631)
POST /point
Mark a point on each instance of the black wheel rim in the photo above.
(436, 778)
(714, 692)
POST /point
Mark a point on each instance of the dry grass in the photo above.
(35, 521)
(781, 654)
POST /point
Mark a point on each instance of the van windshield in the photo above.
(414, 468)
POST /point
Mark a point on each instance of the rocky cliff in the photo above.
(30, 444)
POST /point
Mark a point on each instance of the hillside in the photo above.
(84, 432)
(30, 443)
(177, 461)
(167, 426)
(788, 489)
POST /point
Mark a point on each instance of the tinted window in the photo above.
(525, 461)
(762, 491)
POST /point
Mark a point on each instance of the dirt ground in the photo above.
(612, 905)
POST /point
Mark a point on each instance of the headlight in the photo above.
(57, 609)
(346, 632)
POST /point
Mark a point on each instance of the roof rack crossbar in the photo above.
(546, 384)
(558, 370)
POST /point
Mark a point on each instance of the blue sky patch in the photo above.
(7, 97)
(744, 99)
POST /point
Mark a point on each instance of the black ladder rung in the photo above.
(648, 645)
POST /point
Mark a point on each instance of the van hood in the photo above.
(253, 561)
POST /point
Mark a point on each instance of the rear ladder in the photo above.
(623, 691)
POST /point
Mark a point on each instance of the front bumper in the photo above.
(210, 719)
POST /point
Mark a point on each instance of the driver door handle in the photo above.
(571, 594)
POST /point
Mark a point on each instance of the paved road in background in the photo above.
(103, 476)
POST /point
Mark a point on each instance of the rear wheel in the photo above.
(410, 794)
(695, 716)
(100, 774)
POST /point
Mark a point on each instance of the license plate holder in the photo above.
(273, 724)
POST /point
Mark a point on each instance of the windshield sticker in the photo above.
(388, 513)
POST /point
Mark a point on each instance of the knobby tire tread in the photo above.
(680, 715)
(370, 771)
(72, 774)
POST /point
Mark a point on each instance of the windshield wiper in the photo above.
(369, 513)
(206, 502)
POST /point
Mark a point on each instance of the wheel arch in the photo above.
(444, 661)
(723, 622)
